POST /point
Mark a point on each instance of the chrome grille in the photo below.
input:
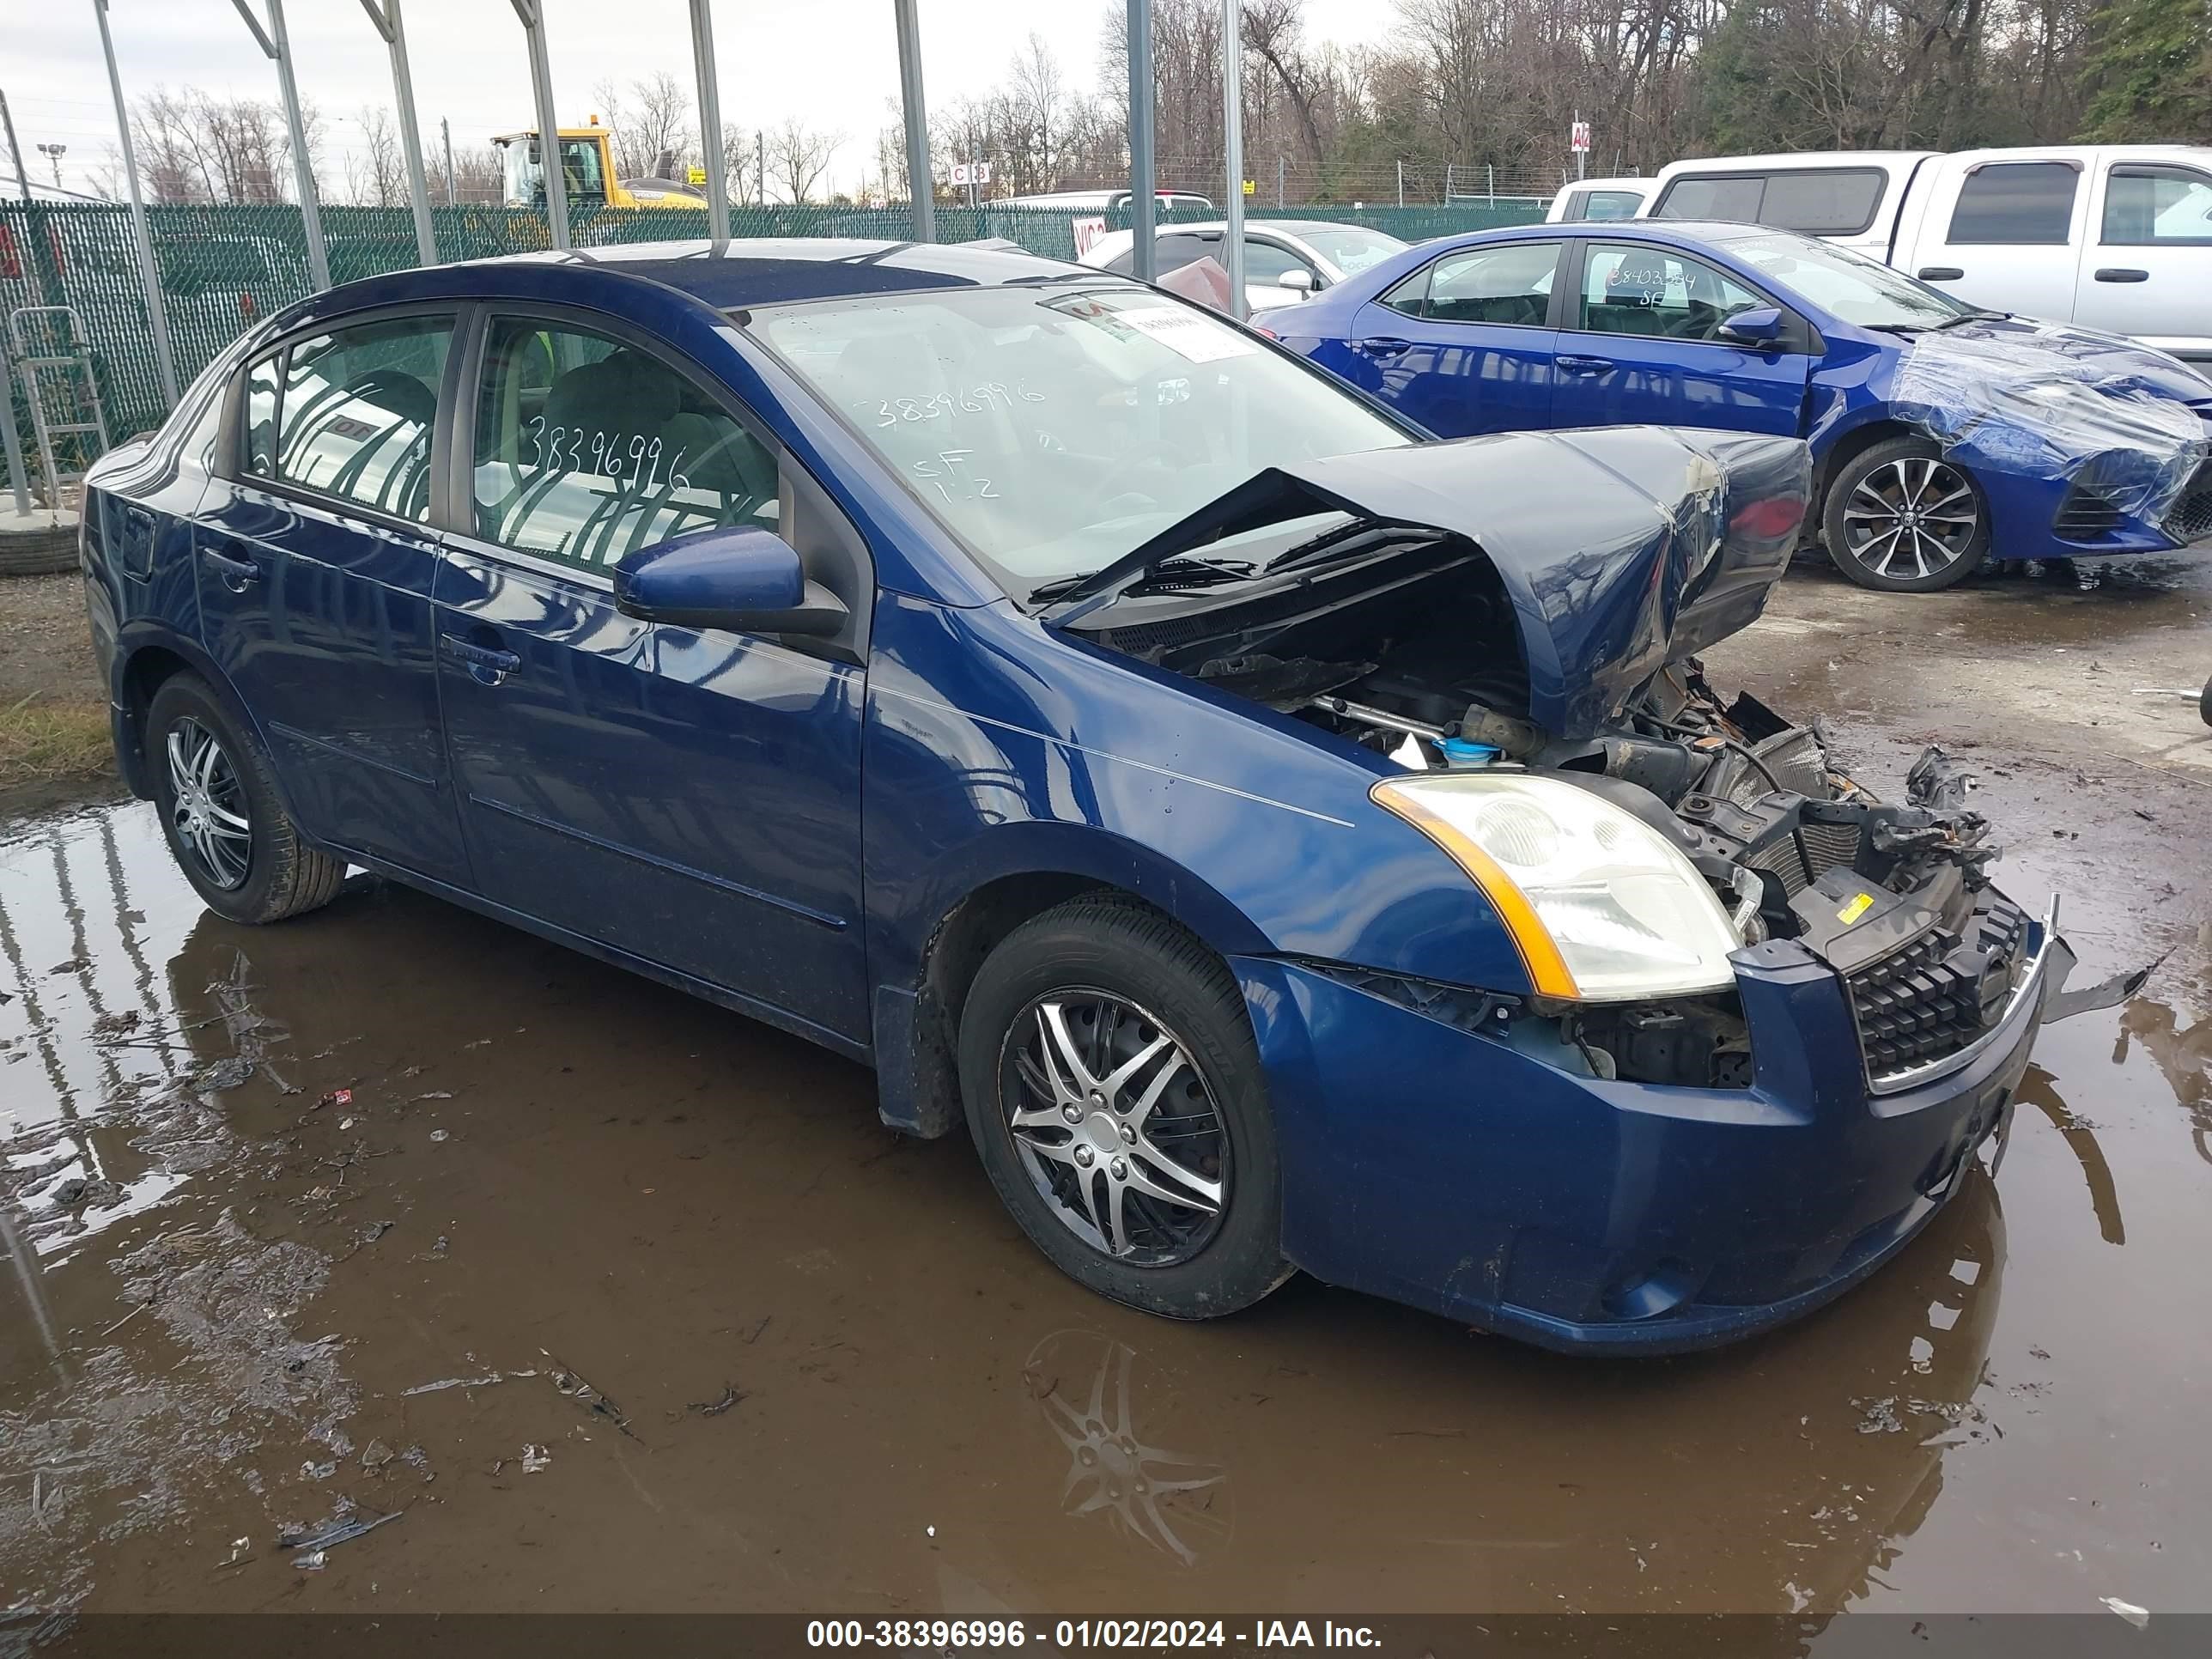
(1935, 997)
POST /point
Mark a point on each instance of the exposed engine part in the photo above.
(1343, 709)
(1699, 1042)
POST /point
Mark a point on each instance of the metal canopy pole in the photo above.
(710, 120)
(1143, 263)
(549, 130)
(1233, 131)
(149, 272)
(274, 44)
(920, 182)
(410, 141)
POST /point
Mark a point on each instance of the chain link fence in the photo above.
(223, 267)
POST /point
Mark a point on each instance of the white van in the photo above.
(2111, 236)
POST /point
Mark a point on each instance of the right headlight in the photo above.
(1603, 908)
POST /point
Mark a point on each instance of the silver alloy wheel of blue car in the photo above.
(1912, 517)
(207, 804)
(1117, 1128)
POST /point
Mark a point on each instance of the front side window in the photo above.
(588, 448)
(354, 413)
(2147, 206)
(1510, 283)
(1631, 290)
(1052, 432)
(1265, 262)
(2015, 205)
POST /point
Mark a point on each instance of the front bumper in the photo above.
(1494, 1185)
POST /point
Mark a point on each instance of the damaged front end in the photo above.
(1496, 652)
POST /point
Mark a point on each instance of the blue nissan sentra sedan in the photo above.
(1283, 841)
(1941, 433)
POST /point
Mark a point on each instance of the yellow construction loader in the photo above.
(587, 169)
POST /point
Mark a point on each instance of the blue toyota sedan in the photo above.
(1283, 840)
(1941, 433)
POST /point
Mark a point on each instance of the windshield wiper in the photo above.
(1163, 577)
(1187, 572)
(1932, 328)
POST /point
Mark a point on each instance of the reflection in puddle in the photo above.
(2182, 1053)
(228, 1286)
(1080, 1382)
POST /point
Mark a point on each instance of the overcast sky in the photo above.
(833, 63)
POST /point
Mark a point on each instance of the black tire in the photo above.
(1871, 550)
(265, 873)
(1104, 954)
(2205, 703)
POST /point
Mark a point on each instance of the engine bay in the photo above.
(1418, 659)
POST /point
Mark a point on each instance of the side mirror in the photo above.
(747, 580)
(1761, 328)
(1299, 281)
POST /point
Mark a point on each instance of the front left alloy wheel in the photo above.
(1901, 518)
(1114, 1090)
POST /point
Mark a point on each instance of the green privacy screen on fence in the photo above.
(224, 267)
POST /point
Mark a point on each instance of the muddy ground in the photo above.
(618, 1302)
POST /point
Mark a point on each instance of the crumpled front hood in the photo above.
(2027, 348)
(1621, 548)
(2053, 401)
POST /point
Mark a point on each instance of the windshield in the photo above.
(1053, 431)
(1846, 285)
(1350, 248)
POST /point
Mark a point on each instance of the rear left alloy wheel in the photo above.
(1114, 1090)
(1901, 519)
(219, 810)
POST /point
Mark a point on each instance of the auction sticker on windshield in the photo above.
(1188, 333)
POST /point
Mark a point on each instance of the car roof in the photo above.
(1821, 160)
(727, 275)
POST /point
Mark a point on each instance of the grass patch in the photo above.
(47, 740)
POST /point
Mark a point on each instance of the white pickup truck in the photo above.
(2111, 236)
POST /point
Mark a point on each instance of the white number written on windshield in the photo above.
(945, 405)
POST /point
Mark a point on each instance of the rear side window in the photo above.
(353, 413)
(1603, 204)
(1510, 283)
(589, 448)
(2015, 205)
(260, 446)
(1817, 201)
(1731, 196)
(2152, 206)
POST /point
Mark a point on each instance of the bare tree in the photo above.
(375, 175)
(798, 156)
(652, 125)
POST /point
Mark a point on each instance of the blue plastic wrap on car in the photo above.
(2059, 402)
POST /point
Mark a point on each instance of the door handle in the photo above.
(236, 574)
(1575, 365)
(2121, 274)
(486, 663)
(1381, 348)
(1939, 273)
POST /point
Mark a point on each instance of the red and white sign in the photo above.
(1578, 137)
(971, 173)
